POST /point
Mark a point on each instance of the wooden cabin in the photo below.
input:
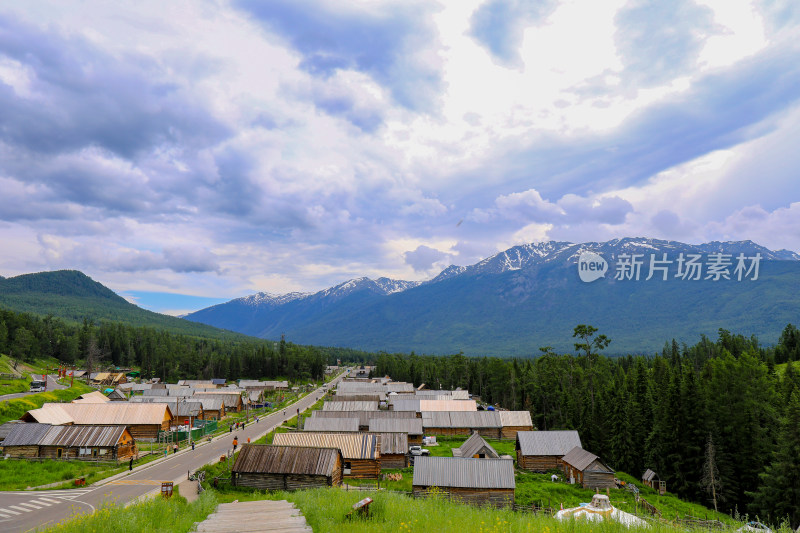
(213, 408)
(394, 450)
(361, 451)
(651, 479)
(474, 481)
(410, 426)
(540, 451)
(88, 443)
(586, 469)
(143, 420)
(266, 467)
(233, 400)
(513, 422)
(486, 423)
(476, 448)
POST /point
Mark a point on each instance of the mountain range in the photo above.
(531, 296)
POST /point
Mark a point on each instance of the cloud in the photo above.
(499, 25)
(423, 258)
(382, 42)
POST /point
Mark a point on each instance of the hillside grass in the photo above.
(21, 474)
(14, 409)
(155, 515)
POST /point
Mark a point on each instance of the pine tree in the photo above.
(778, 496)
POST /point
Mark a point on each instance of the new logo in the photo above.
(591, 266)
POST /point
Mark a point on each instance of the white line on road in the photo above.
(26, 504)
(8, 511)
(41, 502)
(18, 508)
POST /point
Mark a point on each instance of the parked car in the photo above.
(418, 450)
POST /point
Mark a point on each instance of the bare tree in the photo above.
(93, 355)
(710, 480)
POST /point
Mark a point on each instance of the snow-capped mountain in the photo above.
(525, 297)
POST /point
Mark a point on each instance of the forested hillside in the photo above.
(712, 407)
(73, 296)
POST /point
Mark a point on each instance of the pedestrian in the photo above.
(130, 464)
(192, 445)
(230, 429)
(256, 420)
(248, 440)
(235, 443)
(174, 448)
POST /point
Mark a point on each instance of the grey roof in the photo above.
(117, 394)
(82, 436)
(464, 472)
(461, 419)
(584, 460)
(176, 405)
(218, 381)
(350, 406)
(649, 475)
(363, 416)
(409, 426)
(547, 442)
(210, 403)
(331, 424)
(515, 418)
(5, 429)
(313, 461)
(352, 445)
(474, 445)
(155, 392)
(394, 443)
(26, 434)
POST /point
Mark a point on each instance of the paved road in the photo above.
(26, 510)
(52, 384)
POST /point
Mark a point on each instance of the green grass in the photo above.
(14, 409)
(154, 515)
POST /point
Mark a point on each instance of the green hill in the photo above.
(73, 296)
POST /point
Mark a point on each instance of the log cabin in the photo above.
(272, 467)
(586, 469)
(474, 481)
(540, 451)
(361, 451)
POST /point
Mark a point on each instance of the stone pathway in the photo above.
(253, 517)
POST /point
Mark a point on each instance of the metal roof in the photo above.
(155, 392)
(420, 405)
(515, 418)
(265, 459)
(353, 397)
(547, 442)
(409, 426)
(210, 403)
(464, 473)
(394, 443)
(331, 424)
(461, 419)
(350, 406)
(176, 405)
(473, 445)
(363, 416)
(582, 460)
(109, 413)
(648, 475)
(91, 397)
(231, 399)
(26, 434)
(5, 429)
(82, 436)
(442, 394)
(352, 445)
(190, 382)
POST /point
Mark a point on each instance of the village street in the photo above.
(52, 384)
(26, 510)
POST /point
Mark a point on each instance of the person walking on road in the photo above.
(130, 464)
(174, 448)
(192, 445)
(235, 443)
(230, 429)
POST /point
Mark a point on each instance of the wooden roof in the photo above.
(474, 445)
(547, 442)
(364, 416)
(331, 424)
(352, 445)
(585, 461)
(266, 459)
(409, 426)
(91, 397)
(464, 472)
(394, 443)
(109, 413)
(649, 475)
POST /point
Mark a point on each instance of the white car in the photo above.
(418, 450)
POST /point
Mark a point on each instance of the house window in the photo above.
(347, 468)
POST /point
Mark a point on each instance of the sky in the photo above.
(184, 153)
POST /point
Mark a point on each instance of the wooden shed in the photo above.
(394, 450)
(143, 420)
(410, 426)
(265, 467)
(213, 408)
(477, 448)
(475, 481)
(586, 469)
(89, 443)
(361, 451)
(540, 451)
(513, 422)
(651, 479)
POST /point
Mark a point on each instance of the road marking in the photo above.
(136, 482)
(8, 511)
(26, 504)
(51, 500)
(40, 502)
(23, 509)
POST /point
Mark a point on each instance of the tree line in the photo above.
(715, 420)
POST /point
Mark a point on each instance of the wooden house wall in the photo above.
(146, 431)
(480, 497)
(491, 433)
(415, 440)
(21, 451)
(510, 432)
(538, 463)
(212, 414)
(364, 468)
(598, 480)
(393, 461)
